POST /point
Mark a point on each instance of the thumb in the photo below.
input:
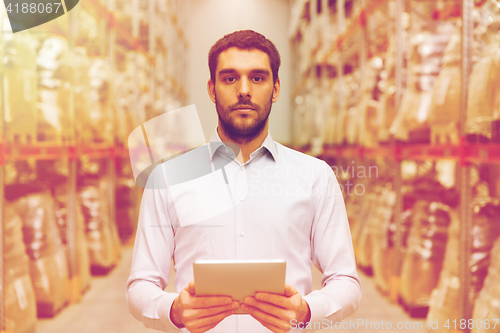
(190, 288)
(290, 290)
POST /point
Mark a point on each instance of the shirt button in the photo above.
(242, 198)
(242, 168)
(242, 234)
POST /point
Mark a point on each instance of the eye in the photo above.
(258, 79)
(230, 79)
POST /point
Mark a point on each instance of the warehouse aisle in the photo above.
(104, 309)
(377, 314)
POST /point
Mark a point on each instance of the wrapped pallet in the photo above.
(352, 130)
(373, 208)
(368, 106)
(382, 251)
(101, 120)
(387, 104)
(303, 116)
(426, 50)
(79, 275)
(386, 112)
(126, 118)
(83, 132)
(483, 104)
(362, 241)
(102, 235)
(125, 95)
(445, 297)
(20, 87)
(487, 306)
(431, 195)
(340, 134)
(331, 112)
(424, 259)
(444, 118)
(485, 230)
(127, 208)
(406, 218)
(104, 189)
(19, 296)
(353, 208)
(55, 84)
(373, 191)
(48, 266)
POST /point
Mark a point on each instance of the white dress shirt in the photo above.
(283, 205)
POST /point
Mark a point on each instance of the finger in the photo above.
(290, 290)
(267, 319)
(208, 327)
(210, 301)
(190, 288)
(206, 323)
(277, 300)
(273, 310)
(193, 314)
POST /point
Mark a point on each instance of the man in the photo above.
(289, 207)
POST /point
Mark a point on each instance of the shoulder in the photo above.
(293, 158)
(155, 176)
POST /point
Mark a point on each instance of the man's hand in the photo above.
(275, 311)
(199, 314)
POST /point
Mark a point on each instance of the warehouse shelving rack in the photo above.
(463, 153)
(113, 153)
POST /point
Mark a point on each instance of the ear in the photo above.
(211, 89)
(276, 90)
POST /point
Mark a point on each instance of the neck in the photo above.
(247, 147)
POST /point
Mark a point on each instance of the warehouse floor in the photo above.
(103, 309)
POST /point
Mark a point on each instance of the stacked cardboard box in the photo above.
(19, 296)
(48, 266)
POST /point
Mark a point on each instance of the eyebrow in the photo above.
(253, 71)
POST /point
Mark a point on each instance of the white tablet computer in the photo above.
(239, 278)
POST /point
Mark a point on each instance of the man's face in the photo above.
(243, 92)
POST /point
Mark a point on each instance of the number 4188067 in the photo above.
(33, 8)
(471, 323)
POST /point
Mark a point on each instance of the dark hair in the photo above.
(244, 39)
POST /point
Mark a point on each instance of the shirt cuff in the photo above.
(318, 308)
(164, 312)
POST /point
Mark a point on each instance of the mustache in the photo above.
(244, 103)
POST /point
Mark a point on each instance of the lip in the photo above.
(244, 110)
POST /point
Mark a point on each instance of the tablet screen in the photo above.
(239, 278)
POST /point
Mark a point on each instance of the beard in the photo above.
(243, 130)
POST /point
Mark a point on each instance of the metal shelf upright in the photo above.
(71, 229)
(465, 171)
(398, 183)
(110, 161)
(2, 216)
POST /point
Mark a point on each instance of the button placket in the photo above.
(241, 193)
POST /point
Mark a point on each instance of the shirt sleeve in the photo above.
(153, 250)
(332, 252)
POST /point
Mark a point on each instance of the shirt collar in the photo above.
(269, 144)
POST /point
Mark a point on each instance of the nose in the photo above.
(244, 90)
